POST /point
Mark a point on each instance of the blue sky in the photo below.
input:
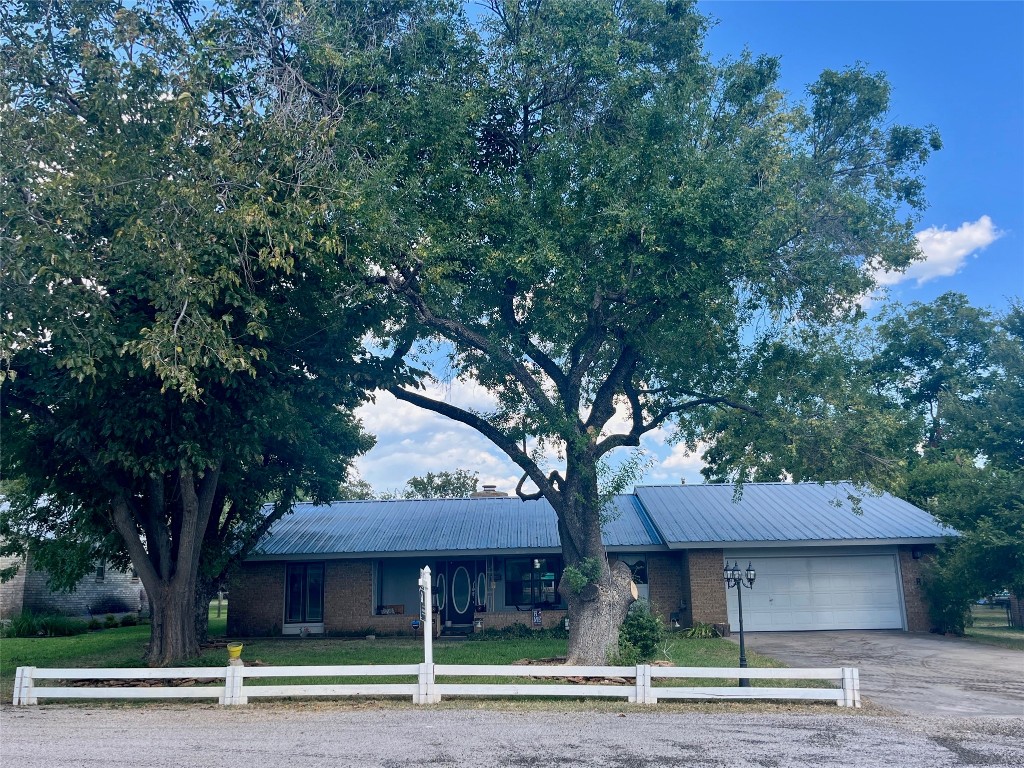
(956, 65)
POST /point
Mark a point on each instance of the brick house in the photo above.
(822, 563)
(105, 590)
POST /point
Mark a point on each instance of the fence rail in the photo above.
(229, 684)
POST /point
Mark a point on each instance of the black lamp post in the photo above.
(734, 577)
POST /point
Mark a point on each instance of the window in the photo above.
(533, 582)
(101, 571)
(304, 593)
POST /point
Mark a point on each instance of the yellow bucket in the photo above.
(234, 650)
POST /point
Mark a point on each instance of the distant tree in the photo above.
(458, 484)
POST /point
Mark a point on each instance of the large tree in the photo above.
(182, 318)
(962, 370)
(609, 222)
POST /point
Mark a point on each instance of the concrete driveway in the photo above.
(911, 673)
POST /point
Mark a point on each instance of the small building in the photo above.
(822, 561)
(104, 590)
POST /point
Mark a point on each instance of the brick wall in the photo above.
(665, 577)
(256, 603)
(12, 593)
(706, 587)
(1016, 611)
(115, 592)
(256, 600)
(915, 604)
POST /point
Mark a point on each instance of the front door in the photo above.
(456, 590)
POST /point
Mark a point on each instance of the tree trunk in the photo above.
(206, 590)
(173, 634)
(595, 615)
(596, 610)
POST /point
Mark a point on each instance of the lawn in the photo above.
(990, 627)
(125, 647)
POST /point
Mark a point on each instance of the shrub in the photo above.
(701, 630)
(25, 624)
(94, 623)
(129, 620)
(639, 634)
(110, 621)
(949, 596)
(29, 624)
(109, 604)
(63, 626)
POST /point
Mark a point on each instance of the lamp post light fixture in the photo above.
(734, 577)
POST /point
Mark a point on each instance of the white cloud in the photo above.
(684, 464)
(945, 251)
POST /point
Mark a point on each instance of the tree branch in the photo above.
(488, 430)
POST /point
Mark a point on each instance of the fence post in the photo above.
(856, 687)
(644, 688)
(233, 686)
(847, 680)
(18, 675)
(27, 686)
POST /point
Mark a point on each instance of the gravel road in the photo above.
(338, 736)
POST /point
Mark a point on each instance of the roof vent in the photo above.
(488, 492)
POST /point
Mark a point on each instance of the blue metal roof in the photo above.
(439, 525)
(688, 515)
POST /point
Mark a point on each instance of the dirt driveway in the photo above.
(911, 673)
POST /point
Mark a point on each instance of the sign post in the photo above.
(426, 676)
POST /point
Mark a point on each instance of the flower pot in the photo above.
(234, 650)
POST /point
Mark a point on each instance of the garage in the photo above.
(826, 591)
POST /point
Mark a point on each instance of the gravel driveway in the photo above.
(313, 735)
(911, 673)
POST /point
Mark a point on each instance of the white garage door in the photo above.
(827, 592)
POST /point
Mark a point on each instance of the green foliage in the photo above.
(701, 630)
(110, 621)
(129, 620)
(109, 604)
(29, 624)
(639, 634)
(185, 292)
(518, 632)
(587, 571)
(459, 484)
(94, 624)
(949, 595)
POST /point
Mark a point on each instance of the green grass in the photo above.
(125, 647)
(990, 628)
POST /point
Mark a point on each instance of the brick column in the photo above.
(665, 577)
(707, 588)
(914, 602)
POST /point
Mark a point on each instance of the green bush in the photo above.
(129, 620)
(701, 630)
(639, 634)
(63, 626)
(518, 632)
(109, 605)
(110, 621)
(29, 624)
(94, 623)
(949, 597)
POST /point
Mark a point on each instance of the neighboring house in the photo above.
(352, 567)
(102, 591)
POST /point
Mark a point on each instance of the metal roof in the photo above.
(439, 525)
(686, 515)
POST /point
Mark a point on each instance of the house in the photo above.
(104, 590)
(822, 561)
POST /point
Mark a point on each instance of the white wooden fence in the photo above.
(230, 687)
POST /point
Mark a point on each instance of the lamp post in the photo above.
(734, 577)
